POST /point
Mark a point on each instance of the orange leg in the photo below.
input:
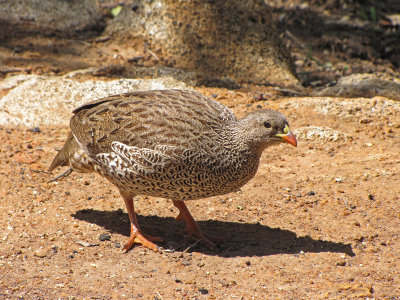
(192, 228)
(136, 235)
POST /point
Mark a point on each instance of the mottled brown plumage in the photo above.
(170, 143)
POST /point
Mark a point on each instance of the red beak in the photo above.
(290, 138)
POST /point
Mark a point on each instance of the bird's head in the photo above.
(266, 126)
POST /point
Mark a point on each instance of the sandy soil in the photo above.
(317, 221)
(320, 221)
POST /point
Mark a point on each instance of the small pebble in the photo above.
(83, 244)
(178, 280)
(341, 263)
(214, 95)
(35, 130)
(135, 59)
(248, 263)
(86, 244)
(311, 193)
(203, 291)
(186, 263)
(103, 38)
(117, 245)
(371, 197)
(260, 97)
(40, 253)
(104, 237)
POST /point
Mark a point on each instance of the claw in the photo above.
(137, 237)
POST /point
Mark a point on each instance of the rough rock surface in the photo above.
(233, 39)
(32, 100)
(360, 110)
(320, 133)
(363, 85)
(44, 15)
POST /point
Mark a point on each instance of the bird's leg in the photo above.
(136, 235)
(192, 228)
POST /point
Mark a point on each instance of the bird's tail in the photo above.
(62, 157)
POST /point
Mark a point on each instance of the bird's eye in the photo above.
(267, 124)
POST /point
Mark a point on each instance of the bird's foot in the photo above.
(137, 237)
(193, 231)
(192, 228)
(198, 235)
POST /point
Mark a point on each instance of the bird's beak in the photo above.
(288, 136)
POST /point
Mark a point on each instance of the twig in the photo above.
(159, 295)
(289, 91)
(191, 246)
(5, 70)
(65, 174)
(153, 54)
(297, 41)
(39, 171)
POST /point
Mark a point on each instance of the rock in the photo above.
(48, 16)
(190, 78)
(38, 100)
(104, 237)
(363, 85)
(320, 133)
(40, 253)
(203, 291)
(341, 263)
(86, 244)
(357, 109)
(35, 130)
(220, 38)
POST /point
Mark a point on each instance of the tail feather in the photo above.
(62, 157)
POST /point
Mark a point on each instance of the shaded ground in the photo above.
(318, 221)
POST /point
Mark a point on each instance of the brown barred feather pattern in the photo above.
(168, 143)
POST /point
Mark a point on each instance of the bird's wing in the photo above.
(144, 119)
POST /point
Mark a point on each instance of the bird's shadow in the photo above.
(241, 239)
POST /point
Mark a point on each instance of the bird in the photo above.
(173, 144)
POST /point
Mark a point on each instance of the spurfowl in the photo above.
(169, 143)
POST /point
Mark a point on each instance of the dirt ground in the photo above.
(317, 221)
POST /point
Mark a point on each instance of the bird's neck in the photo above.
(236, 139)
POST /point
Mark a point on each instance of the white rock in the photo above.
(38, 100)
(319, 133)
